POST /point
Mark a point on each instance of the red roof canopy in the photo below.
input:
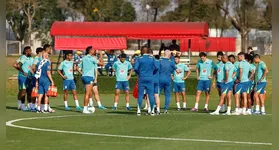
(131, 30)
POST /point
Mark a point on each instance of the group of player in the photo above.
(245, 79)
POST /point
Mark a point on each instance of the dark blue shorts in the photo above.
(69, 85)
(204, 85)
(260, 87)
(156, 88)
(122, 85)
(226, 87)
(242, 87)
(33, 81)
(87, 80)
(178, 87)
(22, 82)
(43, 87)
(219, 85)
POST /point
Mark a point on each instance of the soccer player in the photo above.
(146, 67)
(157, 85)
(167, 67)
(24, 67)
(242, 87)
(46, 52)
(227, 85)
(95, 89)
(67, 66)
(235, 79)
(39, 52)
(218, 76)
(203, 73)
(260, 81)
(179, 85)
(44, 80)
(111, 59)
(250, 91)
(87, 66)
(122, 68)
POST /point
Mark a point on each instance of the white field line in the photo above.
(10, 124)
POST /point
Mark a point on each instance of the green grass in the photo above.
(185, 125)
(182, 125)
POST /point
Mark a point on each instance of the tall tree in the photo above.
(27, 10)
(245, 15)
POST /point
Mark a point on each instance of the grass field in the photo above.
(121, 129)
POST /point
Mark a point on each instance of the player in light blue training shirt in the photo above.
(260, 84)
(24, 67)
(227, 87)
(68, 67)
(204, 76)
(122, 67)
(179, 82)
(87, 66)
(242, 87)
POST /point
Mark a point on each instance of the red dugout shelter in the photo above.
(114, 35)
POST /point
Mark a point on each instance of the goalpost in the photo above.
(13, 47)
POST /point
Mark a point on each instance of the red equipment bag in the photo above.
(52, 91)
(34, 92)
(135, 92)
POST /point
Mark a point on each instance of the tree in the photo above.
(245, 15)
(198, 11)
(27, 10)
(30, 16)
(104, 10)
(156, 7)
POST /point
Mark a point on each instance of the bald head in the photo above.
(225, 58)
(167, 54)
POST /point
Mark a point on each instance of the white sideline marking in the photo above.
(10, 124)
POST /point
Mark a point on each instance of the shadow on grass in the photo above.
(122, 112)
(12, 107)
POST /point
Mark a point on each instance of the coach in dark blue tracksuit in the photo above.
(167, 67)
(145, 67)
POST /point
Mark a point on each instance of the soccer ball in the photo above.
(91, 109)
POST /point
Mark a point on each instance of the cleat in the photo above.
(79, 108)
(236, 113)
(256, 112)
(86, 112)
(166, 112)
(38, 111)
(24, 109)
(248, 113)
(33, 110)
(263, 113)
(128, 108)
(114, 108)
(184, 109)
(206, 110)
(102, 107)
(67, 108)
(227, 113)
(158, 113)
(51, 111)
(152, 114)
(178, 109)
(194, 110)
(214, 113)
(45, 112)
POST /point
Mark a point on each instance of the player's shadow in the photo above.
(122, 112)
(11, 107)
(62, 108)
